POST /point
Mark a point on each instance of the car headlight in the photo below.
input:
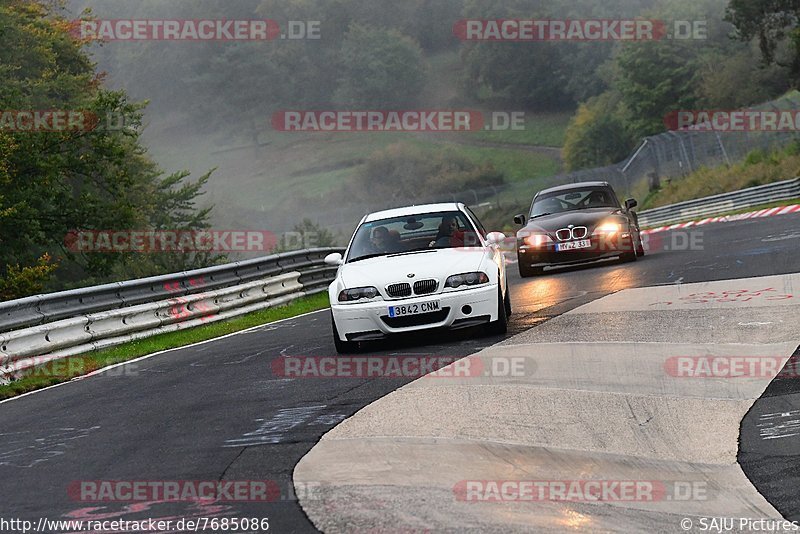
(466, 279)
(608, 228)
(537, 240)
(358, 293)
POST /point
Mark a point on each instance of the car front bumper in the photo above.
(548, 256)
(363, 322)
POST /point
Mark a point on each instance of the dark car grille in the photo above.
(578, 232)
(399, 290)
(416, 320)
(425, 287)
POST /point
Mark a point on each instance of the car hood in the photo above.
(589, 218)
(437, 264)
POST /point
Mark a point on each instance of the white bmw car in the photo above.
(418, 268)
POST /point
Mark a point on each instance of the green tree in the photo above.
(379, 68)
(597, 135)
(775, 24)
(655, 79)
(54, 182)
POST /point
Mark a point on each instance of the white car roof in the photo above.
(413, 210)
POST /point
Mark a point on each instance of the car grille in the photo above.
(399, 290)
(425, 287)
(416, 320)
(578, 232)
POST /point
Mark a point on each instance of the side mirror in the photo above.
(519, 219)
(333, 259)
(495, 238)
(630, 204)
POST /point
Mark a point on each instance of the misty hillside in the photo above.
(211, 103)
(208, 152)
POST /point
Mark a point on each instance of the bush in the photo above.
(597, 136)
(21, 282)
(405, 171)
(305, 235)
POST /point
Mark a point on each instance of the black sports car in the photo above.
(577, 223)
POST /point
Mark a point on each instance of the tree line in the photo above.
(54, 182)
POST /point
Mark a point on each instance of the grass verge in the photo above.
(69, 368)
(758, 168)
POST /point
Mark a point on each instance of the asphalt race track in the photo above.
(767, 452)
(216, 411)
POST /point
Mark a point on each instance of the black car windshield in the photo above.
(413, 233)
(574, 199)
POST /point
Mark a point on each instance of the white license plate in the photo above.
(574, 245)
(414, 309)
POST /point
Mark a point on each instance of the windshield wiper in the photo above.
(540, 215)
(368, 256)
(413, 251)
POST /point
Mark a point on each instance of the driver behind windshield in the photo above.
(549, 205)
(380, 239)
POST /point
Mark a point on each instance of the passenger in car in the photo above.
(393, 243)
(449, 235)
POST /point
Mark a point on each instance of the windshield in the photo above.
(574, 199)
(412, 233)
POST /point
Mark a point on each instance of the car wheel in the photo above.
(500, 326)
(342, 347)
(508, 302)
(526, 271)
(639, 245)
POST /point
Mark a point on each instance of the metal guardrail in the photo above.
(37, 329)
(717, 204)
(40, 309)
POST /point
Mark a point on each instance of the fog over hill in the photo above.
(211, 102)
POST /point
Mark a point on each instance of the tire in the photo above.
(500, 326)
(342, 347)
(507, 302)
(525, 271)
(631, 255)
(639, 245)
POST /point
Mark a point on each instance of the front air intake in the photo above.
(399, 290)
(425, 287)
